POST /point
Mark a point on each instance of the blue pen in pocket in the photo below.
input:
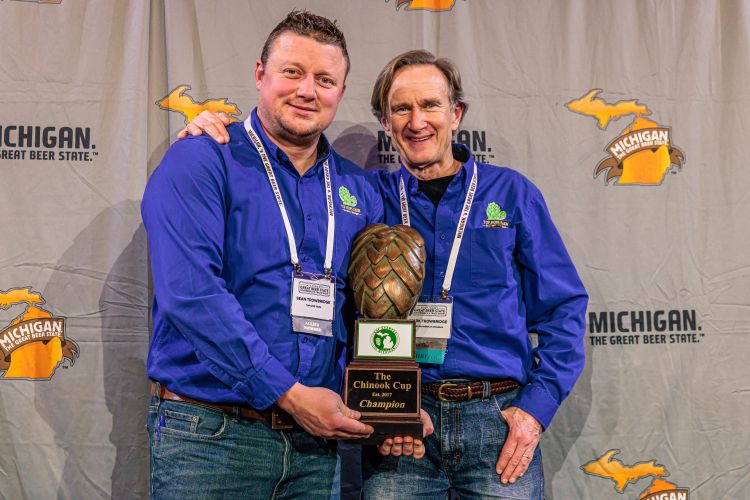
(158, 428)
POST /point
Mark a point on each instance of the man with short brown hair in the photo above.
(245, 371)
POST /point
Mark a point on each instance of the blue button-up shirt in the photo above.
(222, 268)
(513, 276)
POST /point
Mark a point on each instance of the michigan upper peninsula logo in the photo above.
(179, 101)
(433, 5)
(33, 345)
(642, 153)
(622, 475)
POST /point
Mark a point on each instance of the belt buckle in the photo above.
(440, 391)
(281, 420)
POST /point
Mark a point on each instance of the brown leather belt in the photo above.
(271, 417)
(450, 391)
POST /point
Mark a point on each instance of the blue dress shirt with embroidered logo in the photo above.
(222, 271)
(513, 276)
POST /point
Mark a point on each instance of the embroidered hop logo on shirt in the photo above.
(347, 198)
(494, 212)
(349, 201)
(495, 216)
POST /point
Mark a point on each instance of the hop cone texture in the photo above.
(386, 270)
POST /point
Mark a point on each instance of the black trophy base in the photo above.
(385, 428)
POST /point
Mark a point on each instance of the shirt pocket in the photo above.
(491, 255)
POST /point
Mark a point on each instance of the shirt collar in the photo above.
(464, 174)
(273, 151)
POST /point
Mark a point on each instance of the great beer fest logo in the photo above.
(33, 345)
(608, 467)
(642, 153)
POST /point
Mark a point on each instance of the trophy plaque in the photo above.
(382, 382)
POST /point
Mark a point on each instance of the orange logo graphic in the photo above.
(622, 475)
(642, 153)
(177, 100)
(433, 5)
(33, 345)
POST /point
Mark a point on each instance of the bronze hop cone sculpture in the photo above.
(386, 270)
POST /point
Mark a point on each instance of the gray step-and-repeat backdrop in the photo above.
(633, 118)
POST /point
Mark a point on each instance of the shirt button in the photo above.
(309, 217)
(304, 340)
(306, 258)
(442, 236)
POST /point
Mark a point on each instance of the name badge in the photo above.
(313, 304)
(434, 318)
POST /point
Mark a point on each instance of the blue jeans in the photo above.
(461, 455)
(201, 453)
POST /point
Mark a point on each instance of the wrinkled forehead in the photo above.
(418, 83)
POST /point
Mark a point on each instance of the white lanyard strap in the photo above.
(459, 234)
(328, 264)
(404, 203)
(453, 257)
(280, 201)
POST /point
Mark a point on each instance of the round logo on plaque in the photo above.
(384, 339)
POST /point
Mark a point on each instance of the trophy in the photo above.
(386, 274)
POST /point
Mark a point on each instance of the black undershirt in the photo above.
(435, 189)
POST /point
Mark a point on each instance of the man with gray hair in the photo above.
(489, 392)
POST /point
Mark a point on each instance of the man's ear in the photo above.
(458, 112)
(386, 124)
(259, 72)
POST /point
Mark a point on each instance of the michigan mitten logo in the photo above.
(623, 475)
(642, 153)
(384, 340)
(33, 345)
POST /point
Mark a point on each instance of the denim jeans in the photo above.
(201, 453)
(460, 455)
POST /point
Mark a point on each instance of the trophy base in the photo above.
(391, 427)
(383, 381)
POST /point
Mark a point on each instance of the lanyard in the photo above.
(448, 279)
(327, 265)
